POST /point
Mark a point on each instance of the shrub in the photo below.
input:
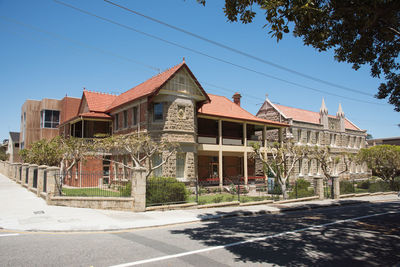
(379, 186)
(346, 187)
(364, 184)
(160, 190)
(302, 188)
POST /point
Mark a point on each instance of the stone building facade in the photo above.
(318, 129)
(213, 132)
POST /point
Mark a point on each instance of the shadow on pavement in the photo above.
(370, 241)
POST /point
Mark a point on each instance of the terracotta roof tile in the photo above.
(95, 115)
(146, 88)
(98, 102)
(221, 106)
(298, 114)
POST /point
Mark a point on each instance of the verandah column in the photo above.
(246, 176)
(220, 161)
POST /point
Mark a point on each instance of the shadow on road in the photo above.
(370, 241)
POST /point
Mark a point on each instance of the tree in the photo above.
(281, 161)
(329, 161)
(42, 152)
(383, 160)
(59, 151)
(360, 32)
(140, 147)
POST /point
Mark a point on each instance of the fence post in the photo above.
(197, 191)
(319, 187)
(24, 174)
(139, 189)
(18, 172)
(53, 175)
(336, 187)
(40, 179)
(295, 184)
(32, 168)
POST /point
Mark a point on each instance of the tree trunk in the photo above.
(284, 191)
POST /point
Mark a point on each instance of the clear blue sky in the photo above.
(82, 51)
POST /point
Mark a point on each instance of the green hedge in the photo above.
(160, 190)
(301, 187)
(346, 187)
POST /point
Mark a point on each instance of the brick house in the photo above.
(214, 133)
(321, 129)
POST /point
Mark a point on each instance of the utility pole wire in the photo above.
(209, 56)
(240, 52)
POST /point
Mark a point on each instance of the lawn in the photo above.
(89, 192)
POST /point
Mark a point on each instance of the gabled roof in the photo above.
(14, 136)
(152, 86)
(221, 106)
(298, 114)
(98, 102)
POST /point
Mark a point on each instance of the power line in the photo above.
(239, 51)
(209, 56)
(57, 36)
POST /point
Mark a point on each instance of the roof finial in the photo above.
(184, 60)
(266, 96)
(323, 108)
(84, 89)
(340, 112)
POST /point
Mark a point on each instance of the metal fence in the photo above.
(165, 191)
(94, 184)
(368, 186)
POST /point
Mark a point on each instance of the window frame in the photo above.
(49, 119)
(155, 116)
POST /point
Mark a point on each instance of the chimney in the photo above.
(236, 99)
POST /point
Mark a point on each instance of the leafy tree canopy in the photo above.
(383, 160)
(360, 32)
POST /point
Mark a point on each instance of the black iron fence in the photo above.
(95, 184)
(368, 186)
(166, 191)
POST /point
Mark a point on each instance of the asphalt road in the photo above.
(366, 234)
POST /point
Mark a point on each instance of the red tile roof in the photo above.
(298, 114)
(98, 102)
(221, 106)
(69, 108)
(95, 115)
(151, 86)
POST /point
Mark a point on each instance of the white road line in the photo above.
(4, 235)
(248, 241)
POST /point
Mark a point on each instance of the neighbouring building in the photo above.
(13, 147)
(321, 129)
(40, 118)
(384, 141)
(214, 133)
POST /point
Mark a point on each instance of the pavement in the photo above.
(22, 210)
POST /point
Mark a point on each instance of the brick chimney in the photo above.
(236, 99)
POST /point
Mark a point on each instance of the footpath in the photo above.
(21, 210)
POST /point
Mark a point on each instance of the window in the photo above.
(308, 137)
(156, 160)
(158, 112)
(116, 121)
(125, 119)
(180, 165)
(317, 137)
(300, 167)
(49, 118)
(309, 167)
(135, 115)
